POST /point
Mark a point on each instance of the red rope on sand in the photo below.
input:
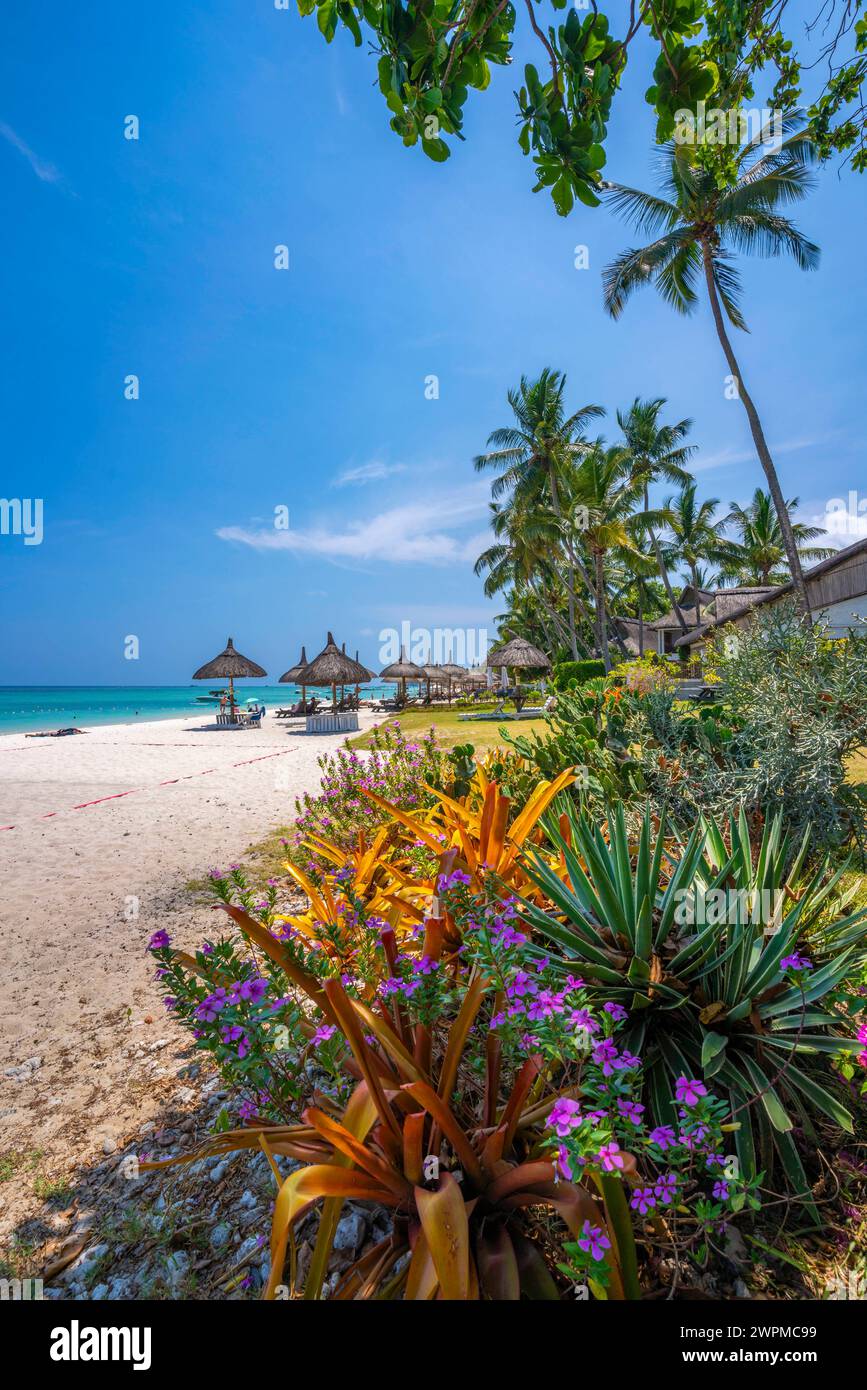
(170, 782)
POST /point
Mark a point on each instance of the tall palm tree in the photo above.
(694, 537)
(530, 454)
(607, 495)
(526, 559)
(759, 551)
(698, 226)
(657, 451)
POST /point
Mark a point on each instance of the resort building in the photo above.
(836, 589)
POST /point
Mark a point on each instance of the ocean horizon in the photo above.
(40, 708)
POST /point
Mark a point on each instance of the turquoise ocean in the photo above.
(34, 708)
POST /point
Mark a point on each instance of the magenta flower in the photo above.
(324, 1033)
(610, 1157)
(689, 1092)
(594, 1239)
(795, 962)
(159, 941)
(563, 1163)
(643, 1198)
(631, 1110)
(564, 1116)
(663, 1137)
(616, 1011)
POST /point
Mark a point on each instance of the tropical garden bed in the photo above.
(580, 1015)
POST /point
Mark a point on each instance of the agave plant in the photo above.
(726, 990)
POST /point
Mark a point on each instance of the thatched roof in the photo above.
(331, 667)
(404, 669)
(456, 673)
(476, 677)
(228, 663)
(368, 675)
(435, 673)
(290, 677)
(521, 653)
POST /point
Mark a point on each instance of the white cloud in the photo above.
(41, 168)
(419, 533)
(728, 457)
(367, 473)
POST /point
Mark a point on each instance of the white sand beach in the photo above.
(101, 834)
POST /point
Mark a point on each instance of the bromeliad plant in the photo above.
(472, 1089)
(722, 954)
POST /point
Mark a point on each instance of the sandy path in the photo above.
(83, 886)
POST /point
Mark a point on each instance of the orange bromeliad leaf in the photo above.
(538, 805)
(306, 1186)
(357, 1152)
(428, 1098)
(443, 1216)
(421, 1279)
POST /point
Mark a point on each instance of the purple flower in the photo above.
(795, 962)
(594, 1239)
(643, 1198)
(689, 1092)
(522, 984)
(617, 1011)
(324, 1033)
(610, 1157)
(663, 1137)
(666, 1187)
(426, 966)
(563, 1163)
(721, 1191)
(159, 941)
(564, 1116)
(631, 1110)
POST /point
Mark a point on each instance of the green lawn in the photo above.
(482, 734)
(856, 768)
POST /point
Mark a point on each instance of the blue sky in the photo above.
(306, 388)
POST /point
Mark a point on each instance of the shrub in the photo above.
(395, 766)
(567, 673)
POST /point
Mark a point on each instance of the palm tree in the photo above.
(606, 495)
(530, 454)
(694, 536)
(524, 559)
(698, 226)
(760, 553)
(657, 451)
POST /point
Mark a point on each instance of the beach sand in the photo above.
(107, 830)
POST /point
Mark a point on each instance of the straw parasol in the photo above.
(403, 671)
(290, 677)
(520, 654)
(434, 673)
(453, 673)
(229, 663)
(331, 667)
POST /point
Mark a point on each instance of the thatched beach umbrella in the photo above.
(229, 664)
(290, 677)
(403, 671)
(453, 673)
(331, 667)
(519, 654)
(434, 673)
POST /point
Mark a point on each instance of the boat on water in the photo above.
(212, 697)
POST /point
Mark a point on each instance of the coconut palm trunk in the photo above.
(759, 440)
(601, 617)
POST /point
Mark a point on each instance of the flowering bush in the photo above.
(395, 767)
